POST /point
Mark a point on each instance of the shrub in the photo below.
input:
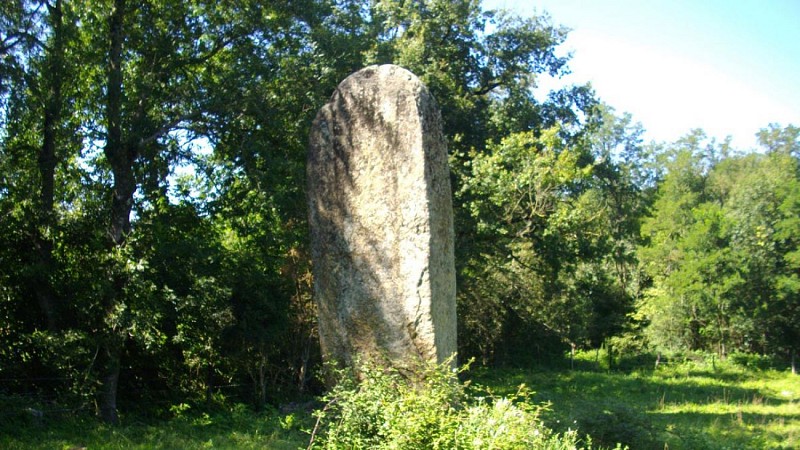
(395, 409)
(752, 361)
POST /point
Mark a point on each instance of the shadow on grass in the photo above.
(236, 428)
(633, 408)
(737, 429)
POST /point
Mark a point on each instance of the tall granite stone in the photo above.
(381, 217)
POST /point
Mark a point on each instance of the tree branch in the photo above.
(169, 126)
(492, 85)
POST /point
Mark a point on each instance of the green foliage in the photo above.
(393, 408)
(152, 155)
(186, 302)
(721, 267)
(753, 361)
(468, 68)
(555, 233)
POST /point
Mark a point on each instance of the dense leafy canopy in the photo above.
(721, 247)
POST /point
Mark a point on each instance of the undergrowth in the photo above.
(235, 427)
(687, 402)
(430, 409)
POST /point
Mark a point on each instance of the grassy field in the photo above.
(695, 404)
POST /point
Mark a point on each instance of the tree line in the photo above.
(153, 233)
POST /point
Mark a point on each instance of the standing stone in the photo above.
(381, 218)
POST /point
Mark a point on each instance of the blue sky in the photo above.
(729, 67)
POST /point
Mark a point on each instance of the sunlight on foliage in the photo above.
(394, 409)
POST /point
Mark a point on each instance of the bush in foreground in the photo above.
(395, 409)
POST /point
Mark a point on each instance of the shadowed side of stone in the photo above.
(380, 211)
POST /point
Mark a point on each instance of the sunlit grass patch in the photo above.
(692, 405)
(698, 403)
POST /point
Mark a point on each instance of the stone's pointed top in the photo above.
(381, 219)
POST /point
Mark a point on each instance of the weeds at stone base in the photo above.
(388, 409)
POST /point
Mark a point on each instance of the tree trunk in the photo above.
(303, 372)
(52, 109)
(209, 384)
(109, 366)
(52, 83)
(121, 157)
(262, 382)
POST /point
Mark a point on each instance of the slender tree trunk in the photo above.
(209, 384)
(109, 360)
(52, 109)
(52, 83)
(303, 372)
(121, 157)
(262, 382)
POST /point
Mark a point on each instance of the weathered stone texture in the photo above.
(381, 218)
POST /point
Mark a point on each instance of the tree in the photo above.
(763, 203)
(150, 52)
(530, 199)
(671, 304)
(718, 252)
(775, 139)
(557, 219)
(36, 37)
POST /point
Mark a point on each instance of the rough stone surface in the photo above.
(381, 217)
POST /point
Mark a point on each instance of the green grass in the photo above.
(687, 405)
(694, 405)
(237, 428)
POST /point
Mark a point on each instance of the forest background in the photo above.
(153, 234)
